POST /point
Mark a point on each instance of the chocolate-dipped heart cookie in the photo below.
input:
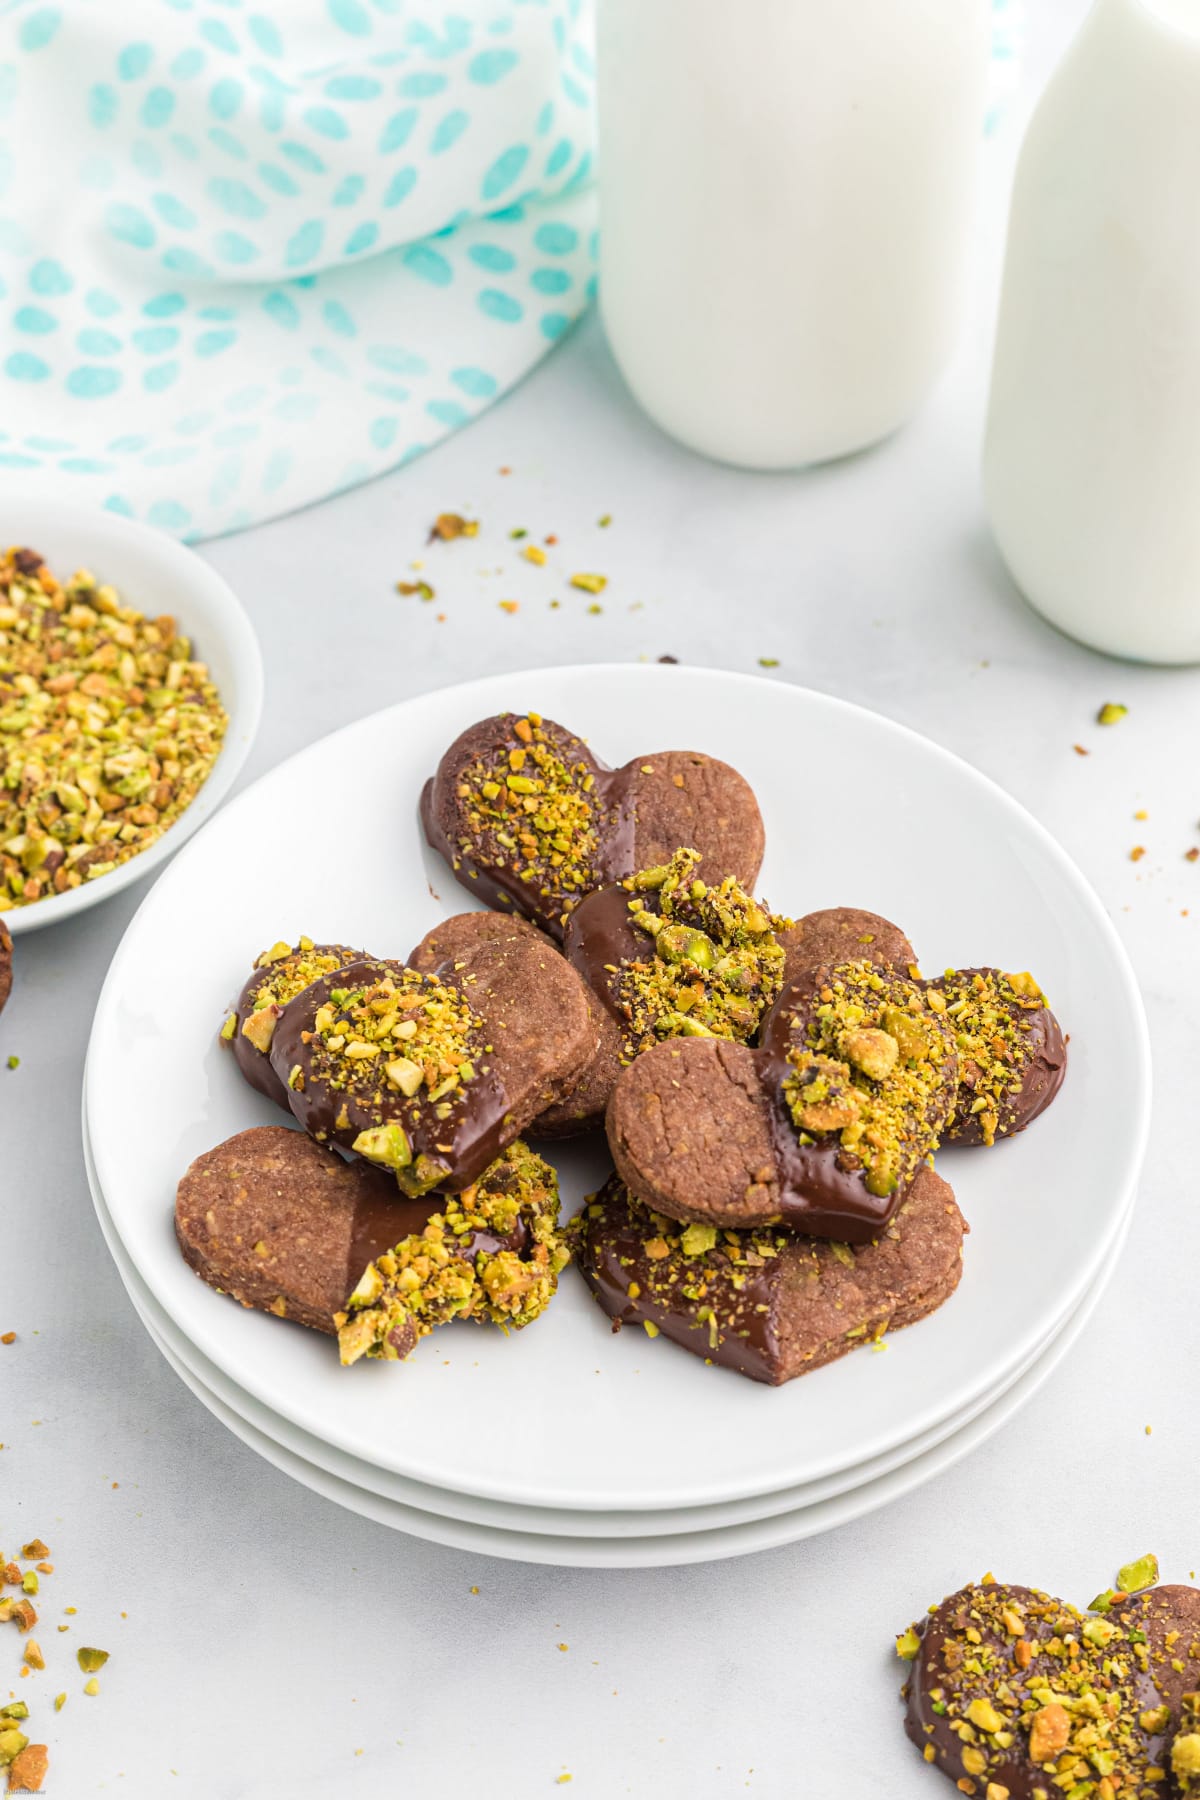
(531, 820)
(278, 975)
(290, 1228)
(822, 1129)
(1015, 1694)
(429, 1075)
(768, 1304)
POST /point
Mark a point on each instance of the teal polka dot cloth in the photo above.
(255, 251)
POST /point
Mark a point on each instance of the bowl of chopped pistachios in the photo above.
(130, 692)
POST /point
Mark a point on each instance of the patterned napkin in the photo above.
(255, 251)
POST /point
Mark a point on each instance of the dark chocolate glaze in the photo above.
(939, 1666)
(383, 1215)
(460, 1146)
(253, 1064)
(823, 1191)
(495, 884)
(614, 1254)
(600, 938)
(1042, 1070)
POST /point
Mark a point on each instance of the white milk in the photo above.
(785, 191)
(1092, 463)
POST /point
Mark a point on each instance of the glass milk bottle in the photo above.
(1092, 460)
(785, 193)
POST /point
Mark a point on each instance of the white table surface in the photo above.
(263, 1641)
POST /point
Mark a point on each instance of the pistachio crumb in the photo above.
(1111, 713)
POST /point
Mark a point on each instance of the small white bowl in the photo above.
(157, 575)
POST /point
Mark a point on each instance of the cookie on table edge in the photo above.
(1009, 1688)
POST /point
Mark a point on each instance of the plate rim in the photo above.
(490, 688)
(144, 1302)
(857, 1503)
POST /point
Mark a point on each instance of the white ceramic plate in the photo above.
(566, 1415)
(155, 574)
(652, 1552)
(471, 1508)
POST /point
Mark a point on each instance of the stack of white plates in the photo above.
(564, 1443)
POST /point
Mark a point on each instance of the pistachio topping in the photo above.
(405, 1048)
(494, 1252)
(538, 811)
(712, 962)
(872, 1069)
(992, 1016)
(108, 729)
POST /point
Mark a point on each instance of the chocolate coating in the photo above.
(459, 1146)
(968, 1654)
(637, 816)
(6, 955)
(253, 1063)
(1033, 1065)
(778, 1315)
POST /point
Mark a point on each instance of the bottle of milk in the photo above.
(785, 191)
(1092, 459)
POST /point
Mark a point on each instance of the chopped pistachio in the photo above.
(1137, 1575)
(908, 1644)
(1111, 713)
(591, 584)
(89, 1660)
(109, 726)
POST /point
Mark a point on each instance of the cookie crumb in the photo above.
(10, 1337)
(509, 606)
(448, 526)
(1137, 853)
(1079, 750)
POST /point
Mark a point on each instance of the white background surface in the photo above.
(275, 1645)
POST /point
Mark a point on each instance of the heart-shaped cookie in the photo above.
(1018, 1696)
(288, 1227)
(530, 820)
(431, 1075)
(768, 1304)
